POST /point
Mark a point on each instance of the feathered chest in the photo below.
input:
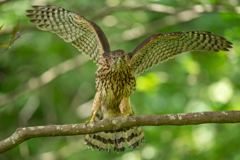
(119, 82)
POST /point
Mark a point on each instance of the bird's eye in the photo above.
(114, 58)
(123, 56)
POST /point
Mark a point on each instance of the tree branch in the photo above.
(116, 123)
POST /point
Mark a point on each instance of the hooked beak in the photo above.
(119, 62)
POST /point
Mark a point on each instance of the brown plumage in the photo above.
(116, 74)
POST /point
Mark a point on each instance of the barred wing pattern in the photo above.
(160, 47)
(84, 34)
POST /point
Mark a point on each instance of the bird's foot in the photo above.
(127, 115)
(92, 120)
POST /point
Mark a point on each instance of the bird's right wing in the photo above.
(72, 27)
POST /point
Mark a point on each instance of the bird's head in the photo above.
(118, 59)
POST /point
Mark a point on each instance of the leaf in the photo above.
(15, 34)
(14, 37)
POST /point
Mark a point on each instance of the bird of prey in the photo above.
(117, 70)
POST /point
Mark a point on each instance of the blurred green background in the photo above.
(44, 80)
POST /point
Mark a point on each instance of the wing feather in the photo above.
(72, 27)
(161, 47)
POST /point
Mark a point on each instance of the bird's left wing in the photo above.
(160, 47)
(72, 27)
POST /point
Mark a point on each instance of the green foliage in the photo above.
(35, 90)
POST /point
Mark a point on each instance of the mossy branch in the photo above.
(116, 123)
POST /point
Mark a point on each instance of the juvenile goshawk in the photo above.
(117, 70)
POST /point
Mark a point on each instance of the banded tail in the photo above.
(116, 139)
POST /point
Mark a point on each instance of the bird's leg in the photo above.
(96, 106)
(125, 107)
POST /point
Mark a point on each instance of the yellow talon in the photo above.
(92, 120)
(126, 115)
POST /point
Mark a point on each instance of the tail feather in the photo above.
(119, 142)
(136, 135)
(117, 139)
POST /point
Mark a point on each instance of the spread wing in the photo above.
(72, 27)
(160, 47)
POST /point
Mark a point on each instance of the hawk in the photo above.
(117, 70)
